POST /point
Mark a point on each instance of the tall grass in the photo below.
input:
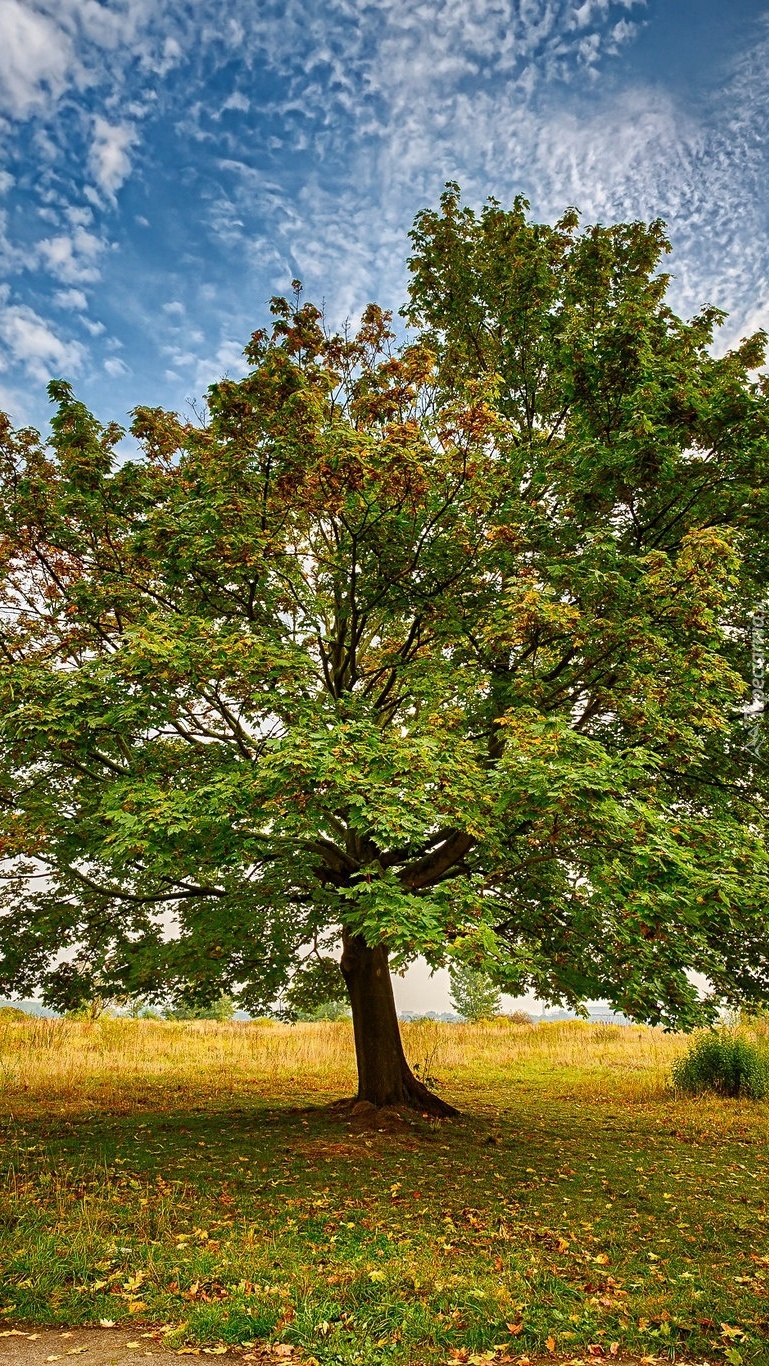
(118, 1063)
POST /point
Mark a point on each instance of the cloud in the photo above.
(73, 299)
(35, 58)
(236, 101)
(116, 368)
(73, 257)
(31, 342)
(109, 159)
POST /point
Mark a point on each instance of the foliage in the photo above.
(187, 1177)
(473, 994)
(721, 1061)
(442, 647)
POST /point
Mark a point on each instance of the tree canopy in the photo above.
(436, 648)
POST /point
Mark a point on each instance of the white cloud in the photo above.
(236, 101)
(116, 368)
(109, 159)
(35, 58)
(31, 342)
(71, 298)
(73, 257)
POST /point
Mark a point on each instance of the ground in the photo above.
(194, 1182)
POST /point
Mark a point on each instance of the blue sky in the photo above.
(168, 165)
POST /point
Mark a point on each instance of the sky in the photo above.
(166, 166)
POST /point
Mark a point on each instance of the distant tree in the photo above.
(331, 1011)
(473, 994)
(436, 648)
(222, 1009)
(90, 1008)
(315, 992)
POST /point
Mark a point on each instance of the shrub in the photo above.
(725, 1064)
(12, 1013)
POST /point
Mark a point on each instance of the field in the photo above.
(192, 1176)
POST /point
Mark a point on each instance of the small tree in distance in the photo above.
(440, 649)
(473, 994)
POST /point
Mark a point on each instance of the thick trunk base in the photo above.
(384, 1076)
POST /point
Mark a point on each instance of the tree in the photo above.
(473, 994)
(418, 648)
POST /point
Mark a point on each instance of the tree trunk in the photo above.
(384, 1076)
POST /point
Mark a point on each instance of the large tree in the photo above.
(438, 649)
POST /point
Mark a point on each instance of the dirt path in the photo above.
(112, 1347)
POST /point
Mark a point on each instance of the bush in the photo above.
(517, 1017)
(725, 1064)
(13, 1013)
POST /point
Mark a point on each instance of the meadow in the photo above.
(195, 1177)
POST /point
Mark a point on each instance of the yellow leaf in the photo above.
(550, 1344)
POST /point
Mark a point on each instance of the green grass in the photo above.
(588, 1205)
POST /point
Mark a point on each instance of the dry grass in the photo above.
(115, 1063)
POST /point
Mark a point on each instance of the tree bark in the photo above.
(384, 1076)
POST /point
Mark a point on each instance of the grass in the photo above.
(192, 1176)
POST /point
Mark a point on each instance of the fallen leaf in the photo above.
(550, 1344)
(106, 1323)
